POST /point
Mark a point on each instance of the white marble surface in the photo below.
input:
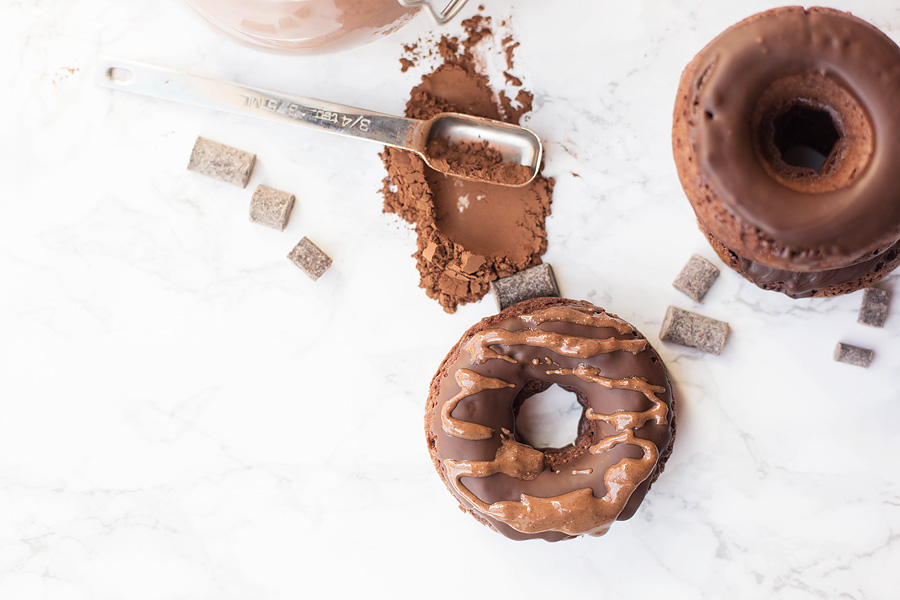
(183, 415)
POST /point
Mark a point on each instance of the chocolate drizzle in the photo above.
(577, 317)
(513, 459)
(470, 383)
(554, 494)
(622, 420)
(592, 515)
(566, 345)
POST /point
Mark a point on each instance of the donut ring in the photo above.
(750, 84)
(624, 436)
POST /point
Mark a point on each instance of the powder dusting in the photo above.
(468, 233)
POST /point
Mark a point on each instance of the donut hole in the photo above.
(805, 136)
(811, 135)
(548, 416)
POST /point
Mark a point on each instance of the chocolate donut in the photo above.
(787, 141)
(624, 436)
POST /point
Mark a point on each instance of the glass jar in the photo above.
(305, 25)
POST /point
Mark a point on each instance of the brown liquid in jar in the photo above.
(304, 25)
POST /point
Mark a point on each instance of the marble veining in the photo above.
(184, 415)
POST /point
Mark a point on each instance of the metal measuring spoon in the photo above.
(519, 148)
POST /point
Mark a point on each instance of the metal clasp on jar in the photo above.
(441, 15)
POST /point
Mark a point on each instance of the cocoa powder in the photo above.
(473, 160)
(468, 233)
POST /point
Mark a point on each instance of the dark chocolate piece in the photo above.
(271, 207)
(693, 330)
(310, 259)
(854, 355)
(534, 282)
(696, 278)
(221, 162)
(874, 307)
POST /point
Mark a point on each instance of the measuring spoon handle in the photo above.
(177, 86)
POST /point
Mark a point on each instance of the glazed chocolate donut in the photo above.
(624, 436)
(787, 141)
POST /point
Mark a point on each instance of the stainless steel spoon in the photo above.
(515, 144)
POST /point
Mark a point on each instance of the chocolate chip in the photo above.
(271, 207)
(696, 278)
(535, 282)
(221, 162)
(310, 259)
(693, 330)
(874, 307)
(854, 355)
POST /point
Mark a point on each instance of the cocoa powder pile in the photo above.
(468, 233)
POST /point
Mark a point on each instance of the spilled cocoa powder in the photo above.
(468, 233)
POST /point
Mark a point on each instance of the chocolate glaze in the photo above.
(524, 492)
(806, 284)
(739, 67)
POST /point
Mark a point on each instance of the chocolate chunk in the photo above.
(536, 282)
(696, 278)
(221, 162)
(271, 207)
(693, 330)
(874, 307)
(854, 355)
(310, 259)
